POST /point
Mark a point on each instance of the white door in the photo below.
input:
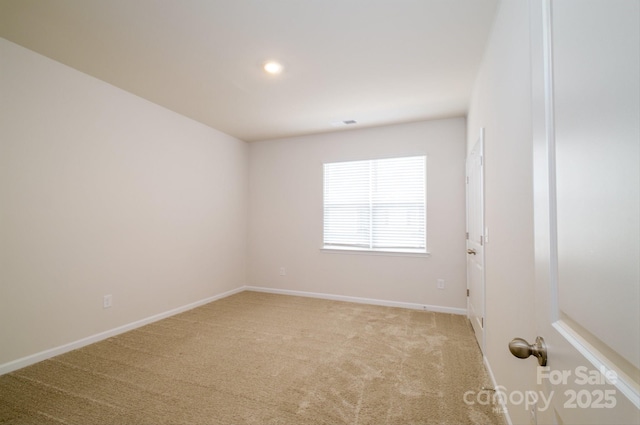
(475, 239)
(586, 87)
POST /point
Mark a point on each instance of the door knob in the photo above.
(471, 251)
(522, 349)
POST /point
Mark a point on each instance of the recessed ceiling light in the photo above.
(272, 67)
(343, 122)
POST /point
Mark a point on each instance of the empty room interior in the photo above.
(320, 212)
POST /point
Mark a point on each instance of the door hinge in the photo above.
(467, 292)
(467, 179)
(467, 235)
(482, 322)
(481, 240)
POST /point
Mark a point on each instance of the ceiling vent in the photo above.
(342, 123)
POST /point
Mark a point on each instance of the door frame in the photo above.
(479, 143)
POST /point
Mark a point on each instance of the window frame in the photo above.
(411, 252)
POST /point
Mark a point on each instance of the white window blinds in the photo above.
(377, 205)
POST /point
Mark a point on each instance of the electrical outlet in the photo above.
(107, 301)
(440, 283)
(283, 271)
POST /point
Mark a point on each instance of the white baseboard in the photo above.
(47, 354)
(56, 351)
(495, 385)
(413, 306)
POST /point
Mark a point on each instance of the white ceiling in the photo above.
(374, 61)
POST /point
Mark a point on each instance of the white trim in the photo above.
(550, 137)
(483, 238)
(388, 253)
(56, 351)
(359, 300)
(502, 400)
(52, 352)
(624, 383)
(368, 186)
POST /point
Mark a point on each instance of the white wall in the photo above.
(501, 103)
(102, 192)
(285, 220)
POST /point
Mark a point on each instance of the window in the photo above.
(376, 205)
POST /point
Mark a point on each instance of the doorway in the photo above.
(475, 239)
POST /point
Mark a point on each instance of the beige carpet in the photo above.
(256, 358)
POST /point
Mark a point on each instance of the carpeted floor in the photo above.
(256, 358)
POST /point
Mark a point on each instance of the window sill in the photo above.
(357, 251)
